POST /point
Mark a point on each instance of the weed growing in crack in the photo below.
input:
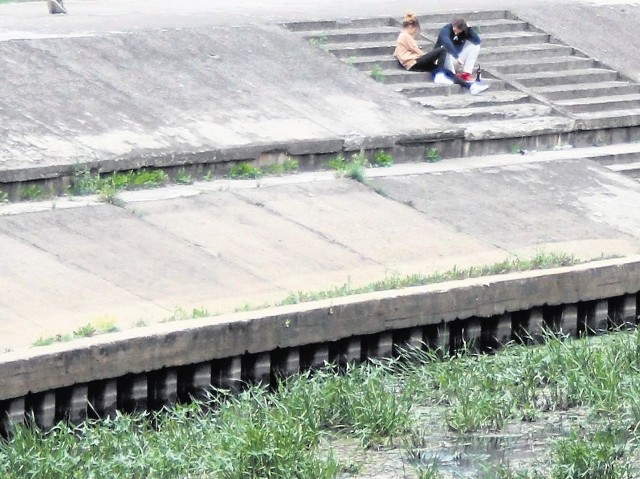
(181, 314)
(432, 155)
(382, 159)
(95, 328)
(320, 40)
(183, 178)
(355, 168)
(84, 182)
(109, 194)
(377, 74)
(244, 170)
(31, 193)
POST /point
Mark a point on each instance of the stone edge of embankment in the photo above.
(193, 341)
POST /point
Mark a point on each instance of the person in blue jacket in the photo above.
(463, 46)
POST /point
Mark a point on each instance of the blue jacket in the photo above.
(454, 43)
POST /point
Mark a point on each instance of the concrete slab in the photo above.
(252, 242)
(546, 204)
(188, 93)
(125, 80)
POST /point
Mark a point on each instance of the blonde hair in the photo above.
(410, 19)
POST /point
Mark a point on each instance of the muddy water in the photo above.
(520, 446)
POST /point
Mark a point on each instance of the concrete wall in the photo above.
(159, 365)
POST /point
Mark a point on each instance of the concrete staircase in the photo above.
(543, 93)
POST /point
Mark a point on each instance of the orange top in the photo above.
(407, 50)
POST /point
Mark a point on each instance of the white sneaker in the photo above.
(441, 79)
(478, 88)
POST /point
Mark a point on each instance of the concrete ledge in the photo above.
(194, 341)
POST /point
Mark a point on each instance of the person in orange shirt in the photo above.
(413, 59)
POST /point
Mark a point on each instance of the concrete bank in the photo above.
(154, 366)
(179, 97)
(222, 245)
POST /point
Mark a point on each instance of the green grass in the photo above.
(262, 434)
(355, 168)
(244, 170)
(4, 197)
(31, 193)
(85, 182)
(181, 314)
(320, 40)
(432, 155)
(183, 178)
(382, 158)
(541, 260)
(289, 165)
(598, 375)
(253, 435)
(94, 328)
(377, 74)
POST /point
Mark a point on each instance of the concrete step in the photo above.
(346, 50)
(513, 129)
(488, 53)
(487, 98)
(526, 65)
(494, 112)
(521, 39)
(498, 25)
(373, 34)
(629, 169)
(589, 75)
(330, 25)
(609, 119)
(613, 155)
(422, 89)
(600, 103)
(543, 50)
(472, 17)
(368, 63)
(400, 75)
(565, 92)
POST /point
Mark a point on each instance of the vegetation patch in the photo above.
(540, 261)
(95, 328)
(107, 187)
(181, 314)
(382, 158)
(246, 170)
(320, 40)
(377, 73)
(354, 168)
(432, 155)
(31, 193)
(335, 423)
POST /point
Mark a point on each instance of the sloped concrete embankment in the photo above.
(164, 364)
(200, 99)
(192, 97)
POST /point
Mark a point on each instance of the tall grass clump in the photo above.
(354, 168)
(261, 433)
(600, 455)
(255, 434)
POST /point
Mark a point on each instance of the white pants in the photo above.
(468, 57)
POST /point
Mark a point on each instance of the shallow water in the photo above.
(479, 455)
